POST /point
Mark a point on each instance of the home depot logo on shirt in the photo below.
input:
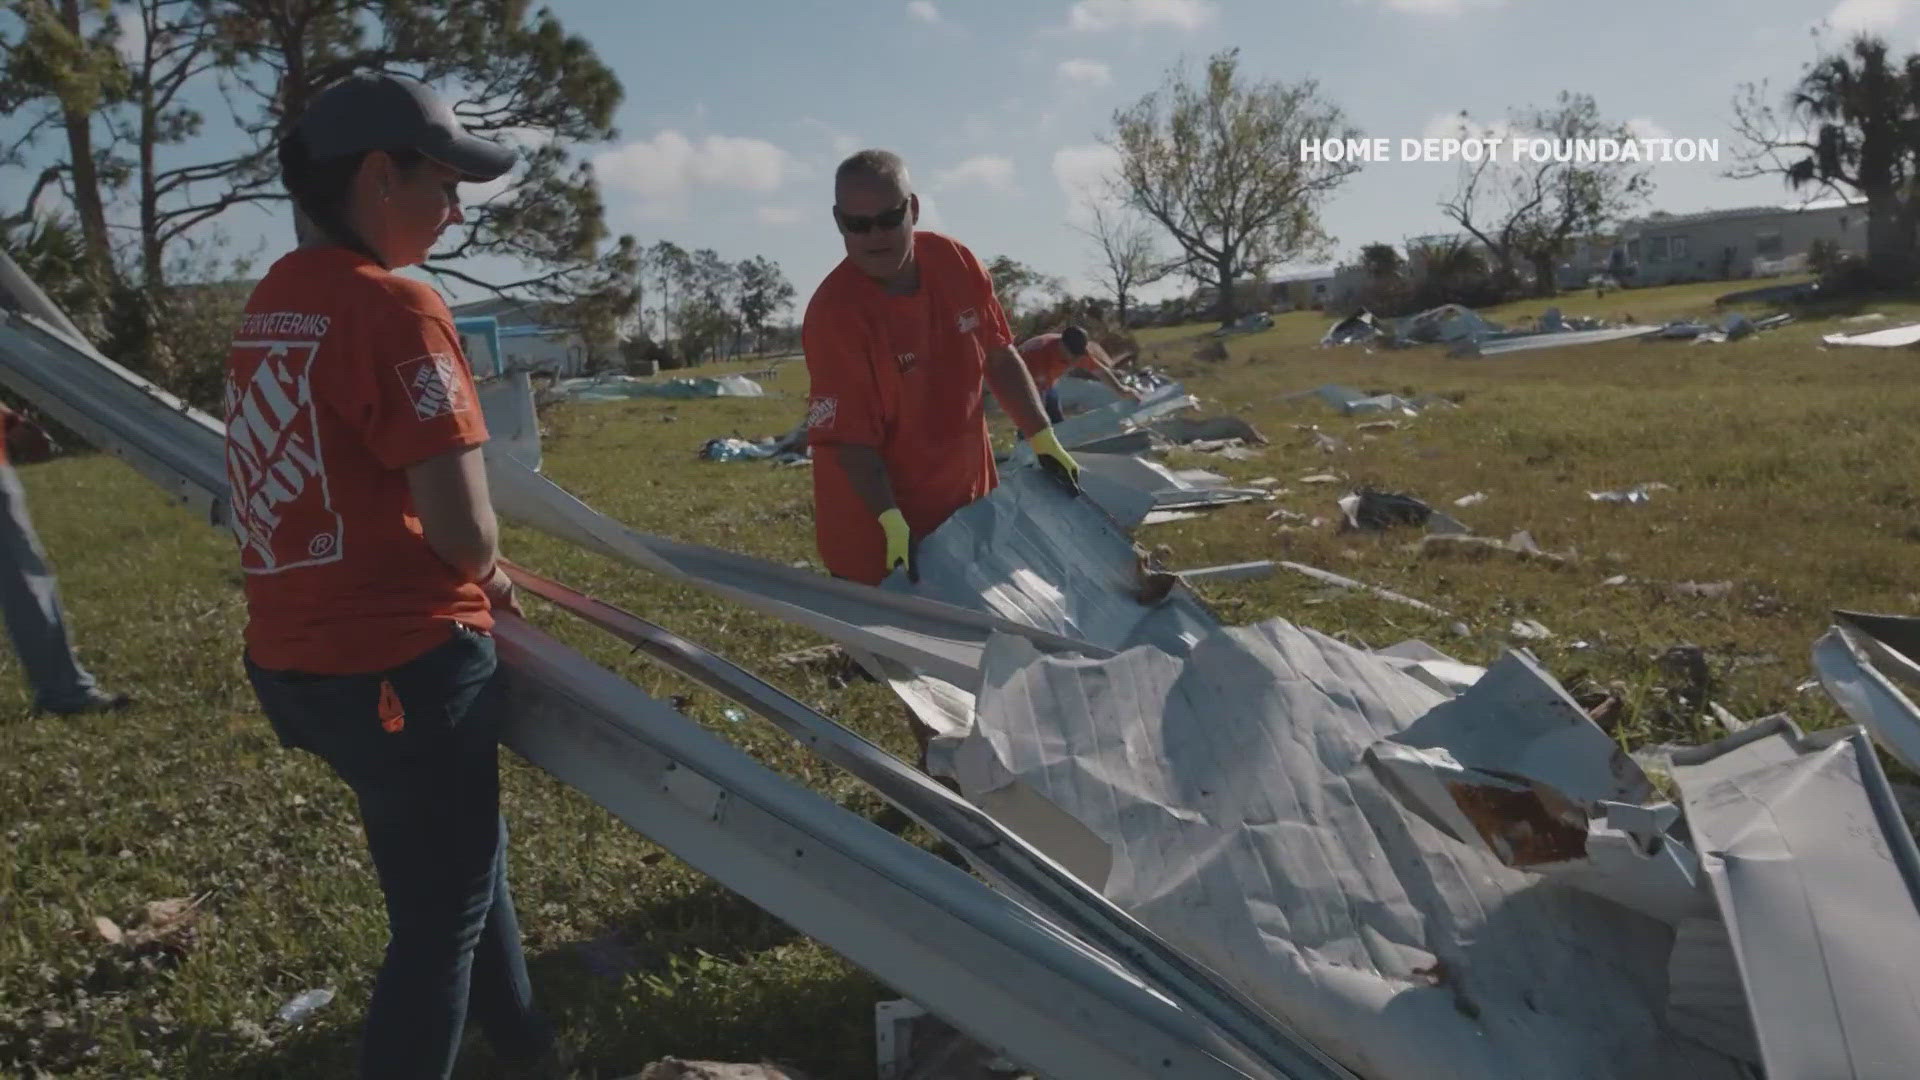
(432, 385)
(968, 321)
(283, 514)
(820, 413)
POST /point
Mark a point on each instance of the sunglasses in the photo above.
(884, 220)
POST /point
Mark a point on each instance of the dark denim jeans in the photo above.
(429, 798)
(1051, 402)
(30, 601)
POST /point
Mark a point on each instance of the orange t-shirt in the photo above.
(905, 375)
(340, 376)
(1047, 360)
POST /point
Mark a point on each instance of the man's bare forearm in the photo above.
(1012, 387)
(1113, 382)
(867, 472)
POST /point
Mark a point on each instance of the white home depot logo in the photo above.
(968, 322)
(433, 385)
(821, 411)
(283, 513)
(906, 360)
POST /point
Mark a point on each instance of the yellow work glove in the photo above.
(899, 541)
(1054, 458)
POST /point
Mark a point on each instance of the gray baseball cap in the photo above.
(374, 110)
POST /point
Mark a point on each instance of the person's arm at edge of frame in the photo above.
(456, 515)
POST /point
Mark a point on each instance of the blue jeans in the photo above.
(429, 796)
(30, 601)
(1051, 400)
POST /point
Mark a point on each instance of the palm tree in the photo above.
(1382, 262)
(1859, 115)
(52, 250)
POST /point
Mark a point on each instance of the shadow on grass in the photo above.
(1850, 304)
(707, 975)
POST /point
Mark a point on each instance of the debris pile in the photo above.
(626, 387)
(1466, 332)
(1444, 829)
(788, 449)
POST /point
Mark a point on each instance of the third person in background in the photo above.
(1050, 356)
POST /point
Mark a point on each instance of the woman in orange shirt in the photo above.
(371, 556)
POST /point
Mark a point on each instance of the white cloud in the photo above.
(131, 43)
(1093, 16)
(1085, 72)
(1865, 16)
(843, 142)
(924, 11)
(481, 194)
(990, 171)
(1642, 128)
(778, 215)
(1086, 175)
(1439, 7)
(661, 171)
(1458, 126)
(930, 213)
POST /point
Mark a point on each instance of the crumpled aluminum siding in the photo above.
(1818, 884)
(1242, 824)
(1211, 782)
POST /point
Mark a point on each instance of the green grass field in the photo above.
(1791, 478)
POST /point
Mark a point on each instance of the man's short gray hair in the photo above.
(882, 165)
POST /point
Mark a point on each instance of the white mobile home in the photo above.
(1752, 241)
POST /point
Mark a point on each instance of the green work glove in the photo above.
(1054, 458)
(899, 542)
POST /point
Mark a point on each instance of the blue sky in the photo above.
(736, 112)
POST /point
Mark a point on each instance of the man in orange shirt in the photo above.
(1049, 356)
(901, 340)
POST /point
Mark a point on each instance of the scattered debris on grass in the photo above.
(1230, 572)
(1528, 630)
(1520, 544)
(1182, 431)
(1474, 499)
(1361, 327)
(169, 927)
(1898, 337)
(1709, 590)
(1323, 442)
(1351, 402)
(784, 449)
(624, 387)
(1231, 449)
(1336, 580)
(1633, 496)
(301, 1007)
(1373, 511)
